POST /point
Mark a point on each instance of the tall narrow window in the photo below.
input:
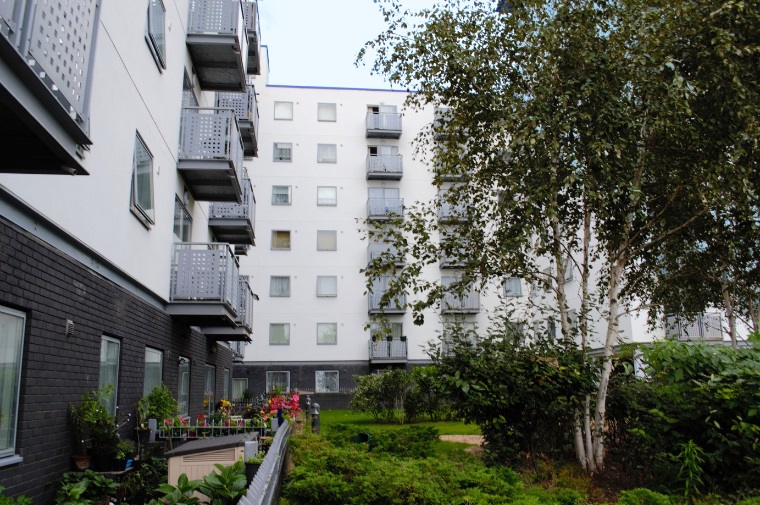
(326, 381)
(281, 240)
(142, 183)
(109, 370)
(326, 112)
(279, 334)
(327, 153)
(238, 386)
(155, 32)
(12, 324)
(280, 195)
(183, 222)
(226, 385)
(209, 393)
(327, 240)
(283, 111)
(154, 361)
(327, 196)
(327, 285)
(327, 333)
(183, 389)
(279, 286)
(283, 151)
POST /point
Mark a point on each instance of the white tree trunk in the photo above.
(728, 302)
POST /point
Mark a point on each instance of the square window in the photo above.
(283, 151)
(279, 334)
(279, 286)
(279, 381)
(142, 183)
(327, 196)
(327, 240)
(109, 370)
(281, 240)
(513, 287)
(326, 112)
(281, 195)
(327, 333)
(327, 285)
(154, 360)
(12, 323)
(326, 381)
(155, 32)
(283, 111)
(183, 222)
(327, 153)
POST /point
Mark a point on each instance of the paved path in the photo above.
(468, 439)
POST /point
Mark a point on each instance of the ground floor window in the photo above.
(12, 324)
(226, 385)
(327, 381)
(209, 396)
(278, 381)
(109, 370)
(183, 391)
(238, 386)
(154, 366)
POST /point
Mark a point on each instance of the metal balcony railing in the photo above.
(451, 261)
(204, 272)
(450, 213)
(384, 350)
(235, 222)
(385, 166)
(383, 208)
(245, 305)
(246, 109)
(218, 43)
(396, 306)
(703, 327)
(251, 12)
(383, 125)
(456, 303)
(377, 250)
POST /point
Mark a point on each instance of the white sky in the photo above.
(315, 42)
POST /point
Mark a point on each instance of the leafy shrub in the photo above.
(140, 486)
(384, 396)
(409, 441)
(19, 500)
(642, 496)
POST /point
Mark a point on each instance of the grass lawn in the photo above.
(328, 417)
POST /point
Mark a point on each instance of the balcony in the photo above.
(211, 154)
(234, 222)
(204, 284)
(440, 123)
(46, 57)
(467, 303)
(388, 351)
(241, 250)
(706, 327)
(397, 306)
(452, 213)
(246, 109)
(378, 250)
(253, 29)
(218, 44)
(388, 167)
(452, 261)
(381, 209)
(243, 328)
(383, 125)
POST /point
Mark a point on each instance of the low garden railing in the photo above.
(207, 429)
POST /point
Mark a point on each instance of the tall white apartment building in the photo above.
(124, 207)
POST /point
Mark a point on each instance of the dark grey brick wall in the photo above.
(50, 288)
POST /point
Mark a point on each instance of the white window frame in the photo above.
(324, 285)
(323, 201)
(9, 399)
(327, 240)
(183, 385)
(290, 240)
(327, 112)
(278, 192)
(270, 382)
(183, 221)
(156, 39)
(237, 390)
(327, 153)
(281, 147)
(142, 205)
(286, 331)
(279, 293)
(332, 332)
(513, 287)
(150, 351)
(319, 384)
(106, 344)
(283, 111)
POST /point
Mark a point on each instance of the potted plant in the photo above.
(87, 421)
(252, 466)
(104, 440)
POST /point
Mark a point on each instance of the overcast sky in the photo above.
(314, 43)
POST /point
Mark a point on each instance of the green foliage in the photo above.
(226, 486)
(141, 484)
(521, 396)
(81, 488)
(693, 395)
(92, 425)
(18, 500)
(642, 496)
(410, 441)
(181, 494)
(385, 396)
(159, 404)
